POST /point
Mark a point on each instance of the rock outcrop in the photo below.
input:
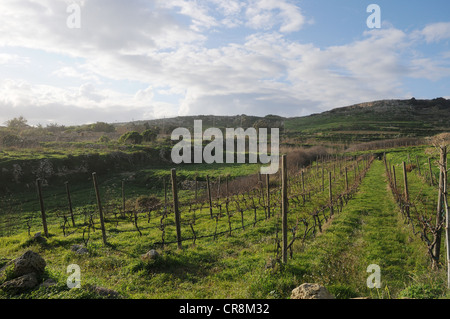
(311, 291)
(23, 273)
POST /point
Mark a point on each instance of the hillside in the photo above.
(385, 119)
(363, 122)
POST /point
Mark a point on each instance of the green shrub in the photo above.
(342, 291)
(11, 140)
(422, 291)
(102, 127)
(149, 135)
(131, 137)
(104, 139)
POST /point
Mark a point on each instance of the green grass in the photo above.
(369, 230)
(146, 181)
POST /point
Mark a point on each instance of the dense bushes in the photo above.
(132, 137)
(299, 157)
(11, 140)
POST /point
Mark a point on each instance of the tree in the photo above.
(54, 127)
(149, 135)
(132, 137)
(17, 123)
(262, 123)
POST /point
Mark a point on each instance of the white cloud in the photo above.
(123, 26)
(76, 73)
(265, 14)
(198, 12)
(13, 59)
(431, 69)
(145, 95)
(436, 32)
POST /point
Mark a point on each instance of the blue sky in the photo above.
(136, 59)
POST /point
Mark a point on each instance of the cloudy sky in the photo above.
(74, 62)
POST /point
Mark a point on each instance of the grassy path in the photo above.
(368, 231)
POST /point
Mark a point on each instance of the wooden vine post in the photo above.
(41, 203)
(123, 198)
(268, 195)
(196, 187)
(346, 179)
(165, 195)
(284, 206)
(69, 200)
(303, 186)
(323, 178)
(439, 212)
(394, 177)
(175, 206)
(208, 186)
(431, 172)
(330, 194)
(405, 183)
(443, 167)
(418, 164)
(99, 204)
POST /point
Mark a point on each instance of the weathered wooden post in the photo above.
(390, 170)
(303, 187)
(323, 178)
(123, 198)
(439, 213)
(227, 190)
(394, 176)
(418, 164)
(175, 206)
(69, 200)
(443, 150)
(346, 179)
(218, 188)
(165, 194)
(99, 204)
(208, 186)
(41, 203)
(261, 192)
(268, 194)
(330, 194)
(196, 187)
(284, 207)
(431, 172)
(405, 183)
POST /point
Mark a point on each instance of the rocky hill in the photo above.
(363, 122)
